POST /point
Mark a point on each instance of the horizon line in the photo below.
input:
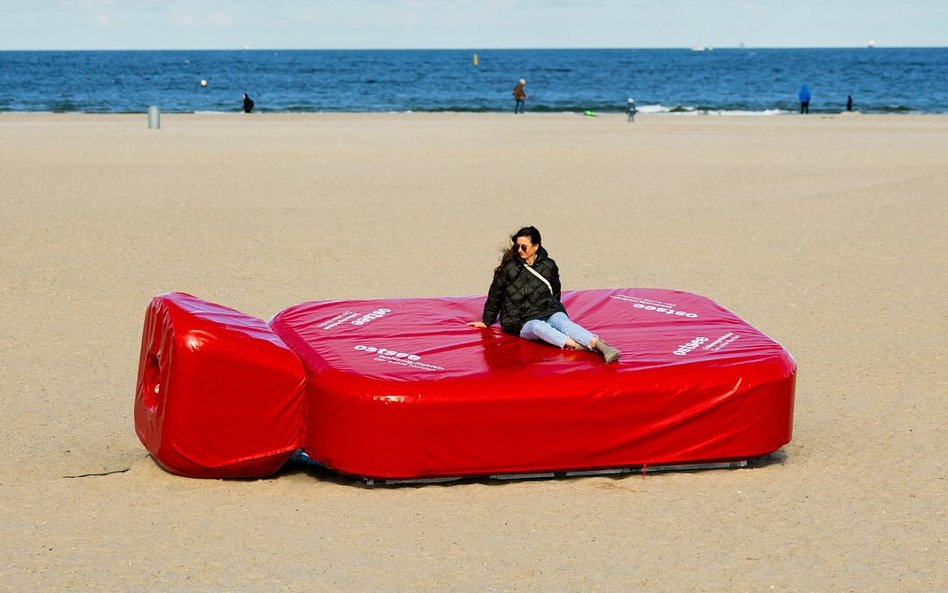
(696, 47)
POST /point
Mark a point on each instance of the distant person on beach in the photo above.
(525, 293)
(804, 99)
(519, 95)
(248, 103)
(849, 103)
(630, 109)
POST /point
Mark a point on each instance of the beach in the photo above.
(826, 232)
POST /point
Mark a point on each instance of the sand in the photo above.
(826, 232)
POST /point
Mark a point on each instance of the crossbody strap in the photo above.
(538, 275)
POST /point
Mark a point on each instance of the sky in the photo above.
(468, 24)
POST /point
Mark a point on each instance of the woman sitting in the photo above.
(525, 293)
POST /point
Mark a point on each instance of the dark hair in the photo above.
(529, 232)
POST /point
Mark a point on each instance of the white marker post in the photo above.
(154, 117)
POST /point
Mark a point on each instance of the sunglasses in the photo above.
(521, 247)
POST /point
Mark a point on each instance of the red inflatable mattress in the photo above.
(404, 389)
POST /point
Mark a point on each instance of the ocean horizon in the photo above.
(743, 80)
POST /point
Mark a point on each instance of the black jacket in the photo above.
(519, 296)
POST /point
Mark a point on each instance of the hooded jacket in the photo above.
(518, 296)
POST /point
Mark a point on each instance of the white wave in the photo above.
(743, 112)
(686, 110)
(657, 108)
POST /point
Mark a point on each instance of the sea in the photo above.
(691, 81)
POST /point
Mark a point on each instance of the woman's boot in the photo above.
(609, 353)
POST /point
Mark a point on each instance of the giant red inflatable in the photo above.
(404, 389)
(219, 395)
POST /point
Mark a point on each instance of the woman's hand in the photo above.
(476, 324)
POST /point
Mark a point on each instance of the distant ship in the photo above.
(701, 48)
(871, 44)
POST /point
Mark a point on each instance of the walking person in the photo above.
(525, 293)
(248, 103)
(519, 95)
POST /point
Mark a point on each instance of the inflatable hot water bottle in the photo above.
(403, 389)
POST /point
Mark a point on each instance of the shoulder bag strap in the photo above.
(538, 275)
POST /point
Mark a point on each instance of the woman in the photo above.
(525, 293)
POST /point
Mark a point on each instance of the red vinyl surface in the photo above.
(402, 388)
(219, 394)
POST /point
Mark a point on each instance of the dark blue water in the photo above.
(881, 80)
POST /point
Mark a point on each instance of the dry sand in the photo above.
(827, 233)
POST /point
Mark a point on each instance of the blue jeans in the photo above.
(518, 106)
(556, 330)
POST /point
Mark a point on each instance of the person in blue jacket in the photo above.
(804, 99)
